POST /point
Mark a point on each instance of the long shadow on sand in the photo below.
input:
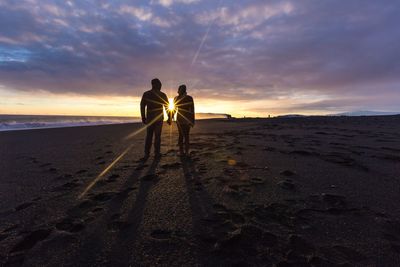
(201, 203)
(122, 251)
(95, 243)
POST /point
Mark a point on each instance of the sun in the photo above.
(171, 105)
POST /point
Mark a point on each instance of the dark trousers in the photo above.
(153, 129)
(184, 130)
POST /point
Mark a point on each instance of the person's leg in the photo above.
(180, 138)
(149, 139)
(157, 142)
(187, 144)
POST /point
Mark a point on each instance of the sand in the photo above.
(317, 191)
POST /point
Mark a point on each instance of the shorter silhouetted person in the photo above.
(151, 109)
(184, 109)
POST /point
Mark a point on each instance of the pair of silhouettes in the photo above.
(151, 108)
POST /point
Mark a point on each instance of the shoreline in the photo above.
(211, 119)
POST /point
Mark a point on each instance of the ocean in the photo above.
(25, 122)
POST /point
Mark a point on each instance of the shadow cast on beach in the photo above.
(201, 206)
(123, 230)
(128, 232)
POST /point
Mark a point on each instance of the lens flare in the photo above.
(171, 105)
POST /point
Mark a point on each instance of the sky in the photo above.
(243, 57)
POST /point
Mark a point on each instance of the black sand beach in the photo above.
(315, 191)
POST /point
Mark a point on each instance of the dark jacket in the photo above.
(184, 106)
(151, 106)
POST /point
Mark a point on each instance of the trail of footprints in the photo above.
(233, 233)
(76, 220)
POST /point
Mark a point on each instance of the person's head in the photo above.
(156, 84)
(182, 89)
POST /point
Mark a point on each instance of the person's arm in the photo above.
(143, 104)
(166, 105)
(173, 112)
(192, 111)
(166, 102)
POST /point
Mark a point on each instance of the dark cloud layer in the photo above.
(252, 50)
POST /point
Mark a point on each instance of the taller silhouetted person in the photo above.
(184, 107)
(151, 109)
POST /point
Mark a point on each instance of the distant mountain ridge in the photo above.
(366, 113)
(292, 116)
(350, 114)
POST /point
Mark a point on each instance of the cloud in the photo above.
(145, 14)
(167, 3)
(305, 53)
(245, 18)
(139, 12)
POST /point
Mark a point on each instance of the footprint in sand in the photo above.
(3, 236)
(65, 176)
(287, 184)
(10, 228)
(149, 177)
(70, 225)
(45, 165)
(198, 186)
(220, 207)
(141, 167)
(161, 234)
(128, 190)
(30, 240)
(288, 173)
(235, 190)
(175, 165)
(52, 170)
(104, 196)
(271, 149)
(23, 206)
(86, 204)
(67, 186)
(118, 225)
(238, 218)
(112, 178)
(334, 200)
(245, 239)
(33, 160)
(302, 152)
(247, 190)
(89, 219)
(257, 180)
(97, 209)
(202, 170)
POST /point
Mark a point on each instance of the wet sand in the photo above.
(318, 191)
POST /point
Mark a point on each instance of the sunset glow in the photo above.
(171, 104)
(253, 58)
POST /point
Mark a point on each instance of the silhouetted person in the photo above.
(151, 109)
(184, 107)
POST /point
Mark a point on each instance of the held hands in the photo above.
(144, 120)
